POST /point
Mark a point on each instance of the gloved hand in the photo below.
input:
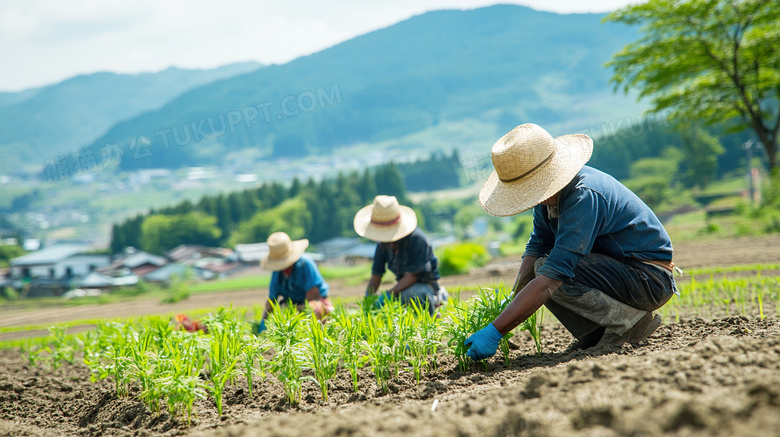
(385, 295)
(483, 343)
(259, 327)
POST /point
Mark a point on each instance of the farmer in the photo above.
(598, 257)
(295, 279)
(402, 248)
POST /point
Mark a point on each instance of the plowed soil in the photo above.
(696, 377)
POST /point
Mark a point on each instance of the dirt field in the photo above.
(695, 377)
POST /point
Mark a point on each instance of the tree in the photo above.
(292, 217)
(164, 232)
(653, 179)
(716, 60)
(700, 156)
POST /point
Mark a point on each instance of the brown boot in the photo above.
(643, 329)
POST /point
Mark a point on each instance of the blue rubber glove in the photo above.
(260, 327)
(483, 343)
(380, 302)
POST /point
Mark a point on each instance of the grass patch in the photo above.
(231, 284)
(732, 269)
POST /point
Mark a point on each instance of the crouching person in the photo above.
(598, 257)
(295, 279)
(403, 249)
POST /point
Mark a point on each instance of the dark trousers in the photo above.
(634, 283)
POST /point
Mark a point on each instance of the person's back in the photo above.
(596, 214)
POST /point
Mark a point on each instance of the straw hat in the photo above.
(385, 220)
(530, 167)
(283, 252)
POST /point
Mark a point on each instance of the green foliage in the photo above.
(178, 288)
(288, 342)
(225, 350)
(292, 216)
(317, 211)
(323, 354)
(653, 179)
(743, 296)
(460, 258)
(9, 252)
(465, 318)
(8, 293)
(348, 333)
(167, 368)
(164, 232)
(419, 175)
(711, 60)
(700, 156)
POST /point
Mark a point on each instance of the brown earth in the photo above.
(695, 377)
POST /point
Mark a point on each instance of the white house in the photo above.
(57, 262)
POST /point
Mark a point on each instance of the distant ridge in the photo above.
(493, 68)
(60, 118)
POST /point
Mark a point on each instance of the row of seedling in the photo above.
(750, 296)
(170, 369)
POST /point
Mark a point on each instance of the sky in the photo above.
(46, 41)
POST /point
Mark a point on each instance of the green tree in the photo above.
(292, 217)
(9, 252)
(654, 179)
(700, 156)
(716, 60)
(160, 233)
(118, 239)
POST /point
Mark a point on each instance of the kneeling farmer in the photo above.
(295, 279)
(598, 257)
(403, 248)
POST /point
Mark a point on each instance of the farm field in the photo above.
(711, 369)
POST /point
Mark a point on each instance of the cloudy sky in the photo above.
(46, 41)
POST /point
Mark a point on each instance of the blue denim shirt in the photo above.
(596, 213)
(414, 255)
(303, 277)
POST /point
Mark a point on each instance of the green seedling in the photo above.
(348, 331)
(283, 332)
(323, 354)
(378, 346)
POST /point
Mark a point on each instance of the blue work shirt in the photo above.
(303, 277)
(414, 254)
(598, 214)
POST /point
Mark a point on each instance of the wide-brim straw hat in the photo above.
(530, 167)
(282, 252)
(385, 220)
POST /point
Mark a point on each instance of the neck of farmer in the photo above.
(552, 200)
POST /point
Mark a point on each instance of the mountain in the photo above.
(445, 79)
(60, 118)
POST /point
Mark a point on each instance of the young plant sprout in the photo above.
(323, 354)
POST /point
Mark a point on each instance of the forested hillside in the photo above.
(310, 209)
(447, 77)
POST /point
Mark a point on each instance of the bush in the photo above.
(8, 293)
(460, 258)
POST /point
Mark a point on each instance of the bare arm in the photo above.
(525, 274)
(373, 284)
(313, 297)
(526, 302)
(268, 309)
(405, 282)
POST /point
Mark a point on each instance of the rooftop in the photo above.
(49, 255)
